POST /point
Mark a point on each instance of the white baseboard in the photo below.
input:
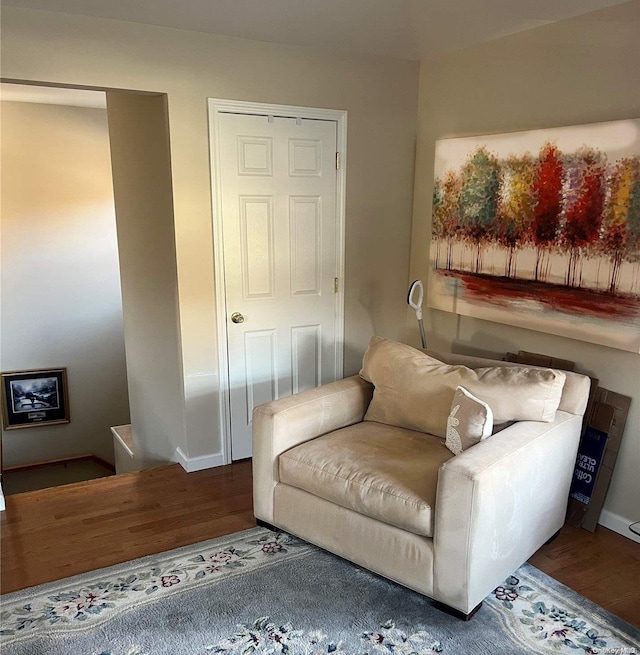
(618, 524)
(191, 464)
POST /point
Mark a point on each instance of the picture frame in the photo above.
(34, 398)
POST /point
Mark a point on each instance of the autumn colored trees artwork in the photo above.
(554, 227)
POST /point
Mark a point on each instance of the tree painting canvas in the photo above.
(541, 230)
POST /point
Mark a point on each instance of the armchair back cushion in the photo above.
(575, 393)
(414, 390)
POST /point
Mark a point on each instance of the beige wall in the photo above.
(61, 302)
(379, 94)
(141, 166)
(582, 70)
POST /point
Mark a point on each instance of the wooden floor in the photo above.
(601, 565)
(54, 533)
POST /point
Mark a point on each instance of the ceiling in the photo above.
(404, 29)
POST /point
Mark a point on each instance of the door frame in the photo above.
(216, 106)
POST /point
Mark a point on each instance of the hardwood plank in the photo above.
(603, 566)
(54, 533)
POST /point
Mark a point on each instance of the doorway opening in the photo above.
(61, 287)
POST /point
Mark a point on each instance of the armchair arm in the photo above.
(497, 503)
(287, 422)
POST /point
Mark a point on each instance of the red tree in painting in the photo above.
(547, 189)
(584, 201)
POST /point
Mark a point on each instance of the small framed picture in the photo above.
(33, 398)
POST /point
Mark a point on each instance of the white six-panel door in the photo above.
(278, 208)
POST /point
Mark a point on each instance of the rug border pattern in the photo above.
(101, 595)
(538, 613)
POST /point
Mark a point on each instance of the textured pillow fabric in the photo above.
(470, 421)
(414, 390)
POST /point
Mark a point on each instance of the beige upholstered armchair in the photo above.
(369, 476)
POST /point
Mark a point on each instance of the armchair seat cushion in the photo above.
(382, 471)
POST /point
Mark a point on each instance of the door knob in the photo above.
(237, 317)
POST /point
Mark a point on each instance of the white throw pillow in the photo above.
(470, 421)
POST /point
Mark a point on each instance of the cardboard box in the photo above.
(537, 359)
(620, 405)
(597, 456)
(589, 460)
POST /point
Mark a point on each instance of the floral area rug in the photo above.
(262, 592)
